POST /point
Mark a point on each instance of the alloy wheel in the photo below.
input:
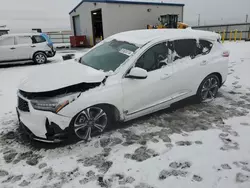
(90, 122)
(40, 58)
(209, 89)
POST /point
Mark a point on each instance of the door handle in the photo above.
(33, 46)
(204, 62)
(165, 76)
(13, 48)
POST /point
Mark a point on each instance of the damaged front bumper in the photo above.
(42, 125)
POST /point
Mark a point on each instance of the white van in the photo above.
(30, 46)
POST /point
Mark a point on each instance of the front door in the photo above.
(7, 49)
(142, 95)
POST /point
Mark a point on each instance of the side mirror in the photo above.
(137, 73)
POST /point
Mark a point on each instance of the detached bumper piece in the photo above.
(51, 53)
(54, 133)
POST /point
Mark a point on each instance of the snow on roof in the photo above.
(140, 2)
(141, 37)
(4, 29)
(20, 34)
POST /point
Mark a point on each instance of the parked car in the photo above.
(31, 46)
(126, 76)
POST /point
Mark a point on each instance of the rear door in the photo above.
(184, 66)
(7, 49)
(24, 47)
(210, 57)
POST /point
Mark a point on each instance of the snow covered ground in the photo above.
(191, 145)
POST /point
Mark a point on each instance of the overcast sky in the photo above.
(21, 15)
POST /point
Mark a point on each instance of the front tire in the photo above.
(40, 58)
(91, 122)
(208, 88)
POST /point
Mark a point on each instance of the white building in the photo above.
(98, 19)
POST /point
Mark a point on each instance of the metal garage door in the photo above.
(77, 26)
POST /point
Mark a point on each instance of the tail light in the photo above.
(225, 54)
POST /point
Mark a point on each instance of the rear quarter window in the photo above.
(204, 47)
(38, 39)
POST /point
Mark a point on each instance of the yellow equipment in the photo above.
(169, 21)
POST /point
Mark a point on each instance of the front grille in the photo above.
(23, 105)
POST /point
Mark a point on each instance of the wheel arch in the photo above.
(214, 73)
(39, 51)
(218, 75)
(112, 108)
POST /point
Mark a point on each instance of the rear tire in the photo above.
(208, 88)
(40, 58)
(91, 122)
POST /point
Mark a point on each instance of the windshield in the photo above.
(109, 55)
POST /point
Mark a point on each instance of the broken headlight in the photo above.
(54, 104)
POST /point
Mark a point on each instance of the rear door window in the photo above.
(7, 41)
(38, 39)
(183, 48)
(204, 47)
(24, 40)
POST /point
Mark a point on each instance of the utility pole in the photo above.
(248, 34)
(199, 19)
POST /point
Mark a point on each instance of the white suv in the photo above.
(30, 46)
(126, 76)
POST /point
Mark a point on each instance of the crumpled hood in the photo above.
(59, 75)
